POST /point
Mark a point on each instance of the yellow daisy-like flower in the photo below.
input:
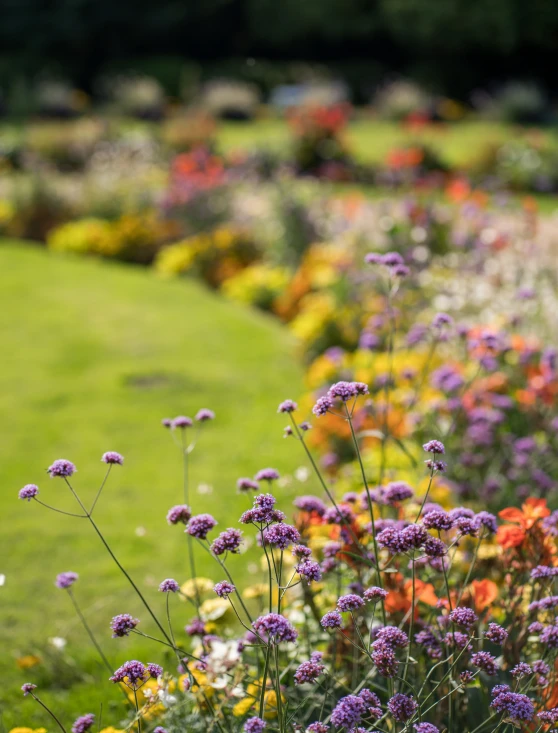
(196, 586)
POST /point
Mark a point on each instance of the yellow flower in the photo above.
(28, 730)
(197, 585)
(110, 729)
(214, 608)
(28, 661)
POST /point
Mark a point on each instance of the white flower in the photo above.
(302, 474)
(141, 531)
(2, 579)
(58, 642)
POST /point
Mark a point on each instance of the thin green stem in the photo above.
(49, 711)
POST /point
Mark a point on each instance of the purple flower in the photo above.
(544, 571)
(65, 580)
(281, 535)
(228, 541)
(28, 688)
(434, 446)
(496, 634)
(433, 547)
(414, 536)
(287, 406)
(224, 589)
(550, 524)
(438, 519)
(310, 569)
(122, 624)
(200, 526)
(456, 638)
(182, 422)
(350, 602)
(111, 457)
(391, 636)
(301, 552)
(392, 539)
(392, 259)
(160, 729)
(254, 725)
(84, 723)
(486, 662)
(439, 466)
(345, 391)
(383, 656)
(169, 586)
(62, 468)
(318, 727)
(332, 620)
(196, 627)
(275, 627)
(521, 670)
(322, 406)
(485, 519)
(466, 526)
(166, 422)
(463, 616)
(402, 707)
(28, 492)
(348, 712)
(549, 637)
(180, 513)
(132, 673)
(204, 415)
(247, 484)
(518, 707)
(267, 474)
(310, 504)
(549, 716)
(441, 319)
(375, 594)
(397, 491)
(309, 671)
(426, 728)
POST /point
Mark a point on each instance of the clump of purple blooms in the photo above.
(66, 579)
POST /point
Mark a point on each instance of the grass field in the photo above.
(94, 356)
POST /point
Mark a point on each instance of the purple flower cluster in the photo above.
(228, 541)
(134, 674)
(350, 602)
(169, 586)
(200, 525)
(247, 484)
(438, 520)
(375, 594)
(263, 511)
(66, 580)
(521, 670)
(204, 415)
(348, 712)
(28, 688)
(181, 513)
(308, 672)
(111, 457)
(392, 636)
(310, 504)
(463, 616)
(61, 468)
(517, 707)
(426, 728)
(28, 492)
(309, 569)
(434, 446)
(281, 536)
(84, 723)
(287, 406)
(549, 716)
(275, 627)
(123, 624)
(224, 589)
(182, 422)
(544, 571)
(397, 491)
(267, 474)
(496, 634)
(332, 620)
(318, 727)
(402, 707)
(343, 391)
(254, 725)
(486, 662)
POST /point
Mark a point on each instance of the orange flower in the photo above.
(400, 600)
(484, 593)
(531, 511)
(510, 536)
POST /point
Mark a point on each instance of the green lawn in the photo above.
(95, 355)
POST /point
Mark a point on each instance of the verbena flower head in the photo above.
(275, 628)
(267, 474)
(281, 536)
(28, 492)
(375, 594)
(518, 707)
(463, 616)
(346, 391)
(332, 620)
(179, 514)
(254, 725)
(350, 602)
(200, 526)
(66, 580)
(132, 673)
(123, 624)
(402, 707)
(310, 504)
(84, 723)
(247, 484)
(426, 728)
(301, 552)
(204, 415)
(496, 634)
(397, 491)
(486, 662)
(323, 405)
(348, 712)
(392, 636)
(182, 422)
(308, 672)
(169, 586)
(549, 716)
(438, 519)
(317, 727)
(486, 520)
(28, 688)
(112, 457)
(442, 319)
(521, 670)
(228, 541)
(310, 570)
(61, 468)
(434, 446)
(287, 406)
(224, 589)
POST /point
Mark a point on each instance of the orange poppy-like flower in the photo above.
(484, 593)
(510, 536)
(401, 599)
(531, 511)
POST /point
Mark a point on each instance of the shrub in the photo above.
(258, 285)
(400, 99)
(232, 100)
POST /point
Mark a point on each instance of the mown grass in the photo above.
(95, 355)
